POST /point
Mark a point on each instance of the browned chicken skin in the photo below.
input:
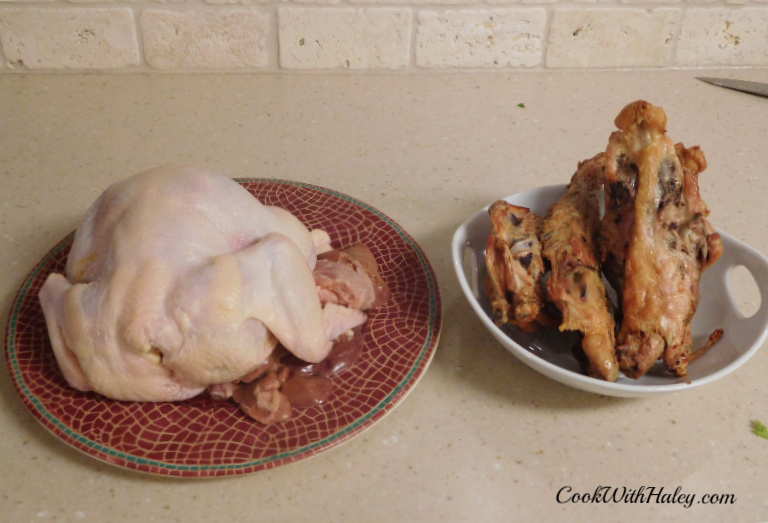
(655, 239)
(515, 267)
(575, 285)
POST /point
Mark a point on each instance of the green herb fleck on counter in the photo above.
(759, 429)
(521, 105)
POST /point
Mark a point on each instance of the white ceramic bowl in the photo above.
(549, 351)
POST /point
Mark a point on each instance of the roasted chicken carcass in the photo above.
(575, 285)
(515, 267)
(655, 239)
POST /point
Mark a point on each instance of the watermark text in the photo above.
(641, 495)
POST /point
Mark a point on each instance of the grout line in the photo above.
(139, 36)
(672, 58)
(273, 40)
(545, 36)
(414, 39)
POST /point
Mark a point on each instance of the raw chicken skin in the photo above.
(175, 280)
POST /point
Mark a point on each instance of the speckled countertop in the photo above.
(483, 437)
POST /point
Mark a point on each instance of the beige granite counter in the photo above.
(482, 437)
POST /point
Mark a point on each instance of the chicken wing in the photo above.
(575, 285)
(515, 267)
(655, 239)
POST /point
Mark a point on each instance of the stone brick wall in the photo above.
(366, 35)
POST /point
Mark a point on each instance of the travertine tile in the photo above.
(328, 2)
(68, 38)
(480, 38)
(313, 38)
(369, 2)
(236, 2)
(616, 37)
(604, 34)
(89, 1)
(528, 2)
(418, 2)
(650, 1)
(722, 36)
(445, 2)
(231, 38)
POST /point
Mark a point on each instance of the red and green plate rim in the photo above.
(122, 459)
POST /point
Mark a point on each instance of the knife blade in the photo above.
(738, 85)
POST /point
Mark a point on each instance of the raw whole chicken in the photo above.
(179, 279)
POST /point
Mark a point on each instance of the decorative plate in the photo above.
(203, 438)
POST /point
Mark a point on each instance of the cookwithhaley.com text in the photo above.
(641, 495)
